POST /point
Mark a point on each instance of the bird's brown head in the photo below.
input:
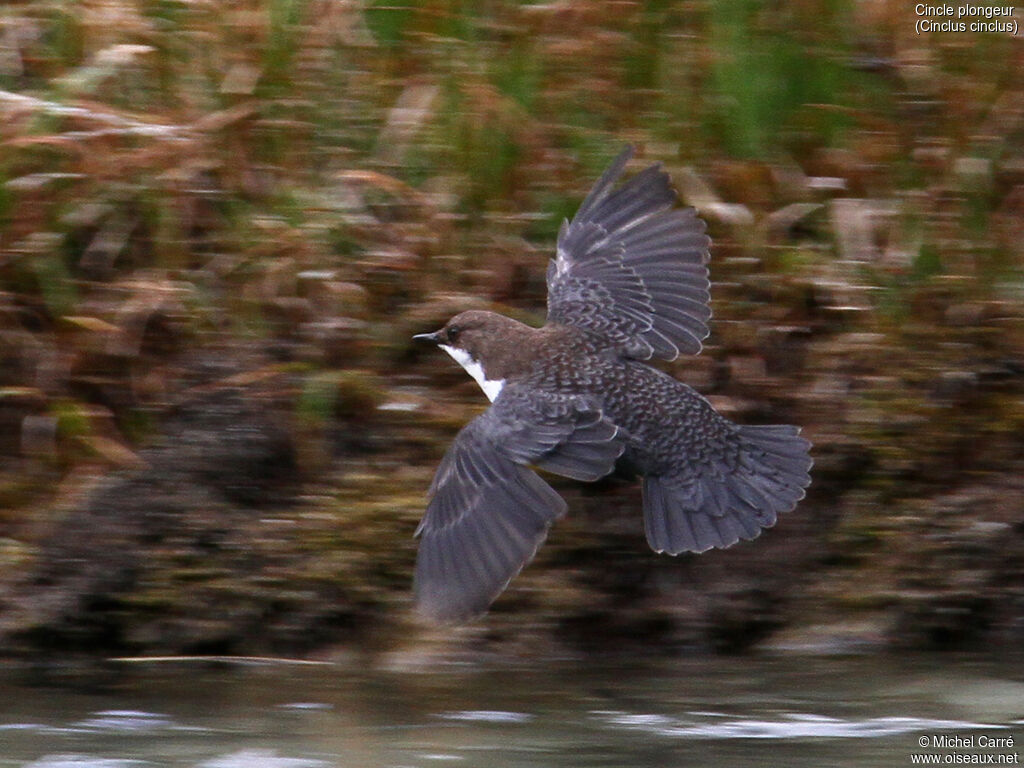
(475, 332)
(493, 342)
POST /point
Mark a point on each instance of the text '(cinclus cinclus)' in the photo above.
(629, 282)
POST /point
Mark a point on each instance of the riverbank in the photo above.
(220, 225)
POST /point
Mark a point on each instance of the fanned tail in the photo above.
(730, 500)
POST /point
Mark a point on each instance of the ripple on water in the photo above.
(81, 761)
(126, 721)
(261, 758)
(788, 726)
(440, 756)
(487, 716)
(22, 727)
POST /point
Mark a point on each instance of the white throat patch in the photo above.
(491, 388)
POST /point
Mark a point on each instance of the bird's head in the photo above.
(471, 333)
(486, 344)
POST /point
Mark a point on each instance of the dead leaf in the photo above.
(94, 324)
(112, 451)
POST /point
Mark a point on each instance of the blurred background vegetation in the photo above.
(220, 223)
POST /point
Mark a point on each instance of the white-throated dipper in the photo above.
(629, 282)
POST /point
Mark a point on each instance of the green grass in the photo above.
(768, 76)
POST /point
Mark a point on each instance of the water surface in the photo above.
(743, 711)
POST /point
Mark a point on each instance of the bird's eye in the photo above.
(453, 333)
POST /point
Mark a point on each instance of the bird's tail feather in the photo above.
(729, 500)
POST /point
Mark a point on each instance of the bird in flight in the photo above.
(628, 283)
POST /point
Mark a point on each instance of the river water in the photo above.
(743, 711)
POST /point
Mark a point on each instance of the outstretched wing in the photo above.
(631, 268)
(489, 512)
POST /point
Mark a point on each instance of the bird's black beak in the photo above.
(433, 338)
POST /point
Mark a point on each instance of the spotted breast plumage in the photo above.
(576, 397)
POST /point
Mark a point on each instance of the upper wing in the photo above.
(632, 269)
(489, 512)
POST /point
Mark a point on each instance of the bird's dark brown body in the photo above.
(576, 397)
(659, 418)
